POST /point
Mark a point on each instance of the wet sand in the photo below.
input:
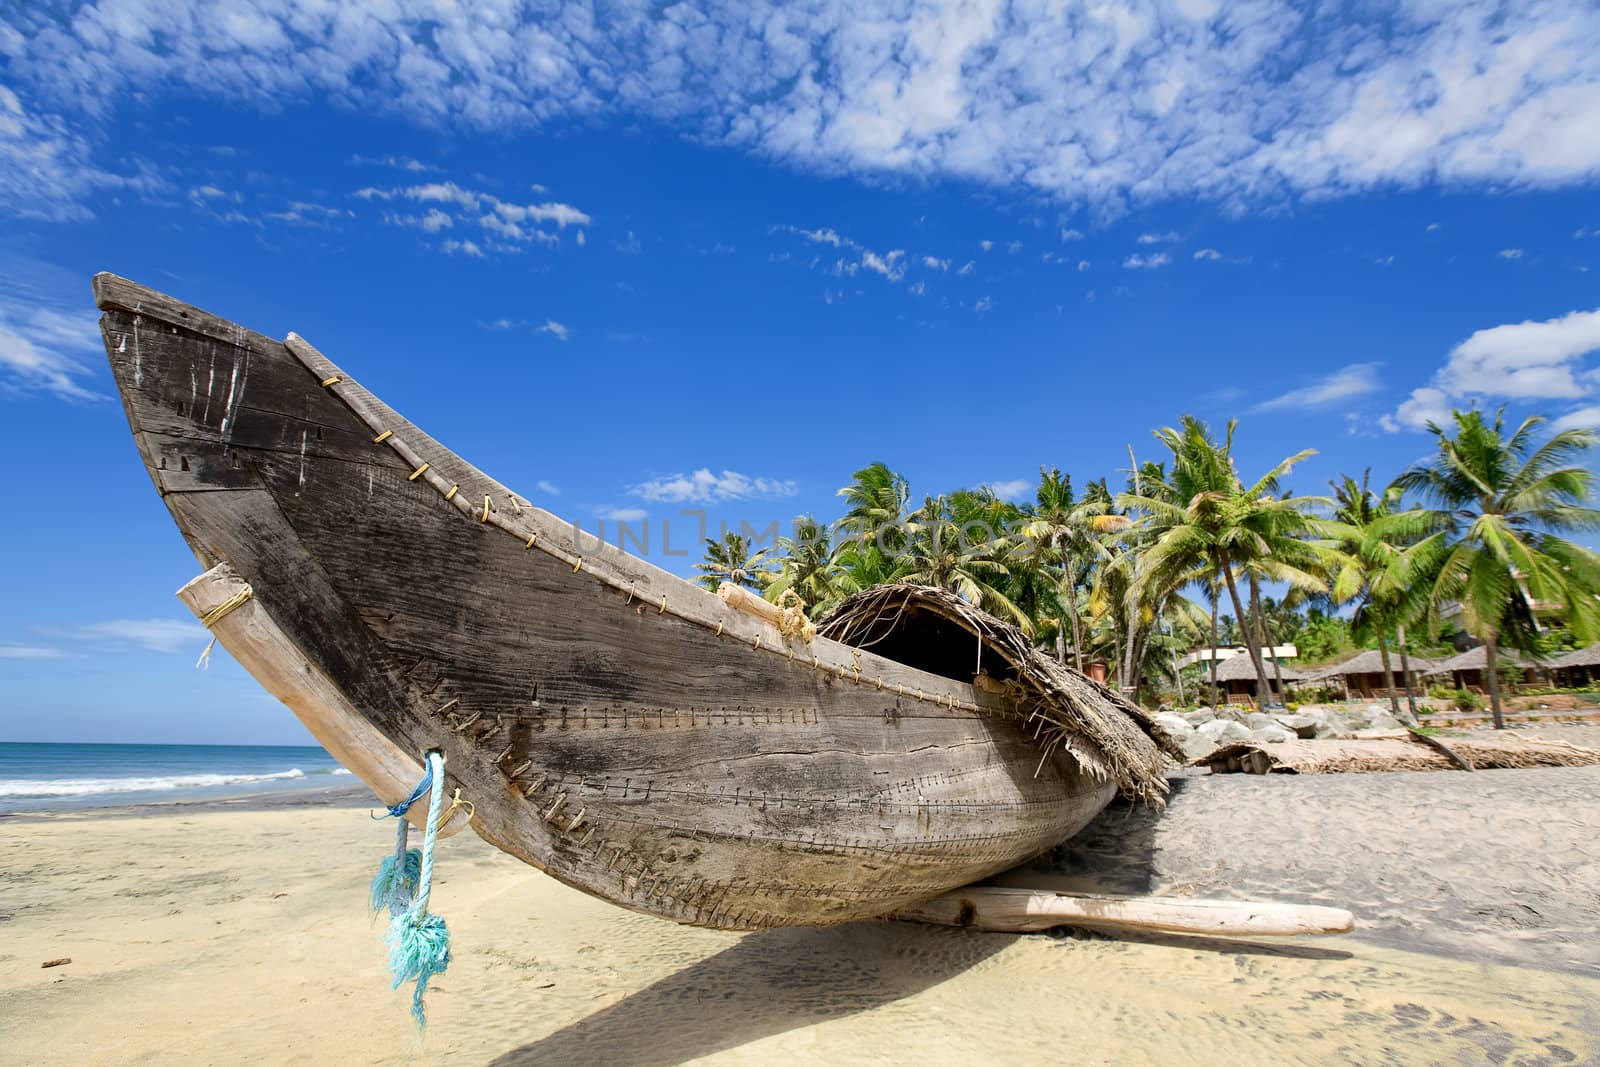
(236, 932)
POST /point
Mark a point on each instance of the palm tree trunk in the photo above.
(1266, 636)
(1072, 611)
(1405, 673)
(1216, 596)
(1493, 678)
(1249, 638)
(1388, 674)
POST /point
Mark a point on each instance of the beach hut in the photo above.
(1466, 670)
(1577, 667)
(1362, 675)
(1237, 676)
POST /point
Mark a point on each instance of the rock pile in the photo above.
(1204, 730)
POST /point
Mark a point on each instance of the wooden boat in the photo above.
(615, 726)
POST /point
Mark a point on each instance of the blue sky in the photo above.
(634, 261)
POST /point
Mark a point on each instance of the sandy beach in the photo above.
(236, 931)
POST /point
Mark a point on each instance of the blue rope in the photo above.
(396, 881)
(399, 810)
(419, 943)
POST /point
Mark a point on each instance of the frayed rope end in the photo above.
(419, 948)
(395, 884)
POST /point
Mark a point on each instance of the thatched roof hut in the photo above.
(1475, 659)
(1368, 662)
(1240, 669)
(1578, 657)
(1109, 736)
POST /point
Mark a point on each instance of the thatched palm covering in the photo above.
(937, 630)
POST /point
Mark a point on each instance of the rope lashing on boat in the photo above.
(419, 943)
(216, 615)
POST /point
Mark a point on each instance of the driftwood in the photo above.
(613, 725)
(1028, 910)
(1360, 755)
(1460, 761)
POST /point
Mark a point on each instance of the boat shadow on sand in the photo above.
(780, 980)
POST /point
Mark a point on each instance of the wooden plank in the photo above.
(1027, 910)
(262, 648)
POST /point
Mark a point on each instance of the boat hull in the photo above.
(612, 725)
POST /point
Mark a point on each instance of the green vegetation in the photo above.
(1133, 579)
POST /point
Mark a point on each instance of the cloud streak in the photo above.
(1346, 383)
(706, 487)
(1102, 104)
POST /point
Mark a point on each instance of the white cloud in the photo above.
(1520, 361)
(1208, 254)
(1510, 253)
(968, 267)
(506, 225)
(1071, 235)
(1423, 406)
(1433, 227)
(556, 330)
(1011, 489)
(984, 304)
(1150, 262)
(1583, 232)
(918, 288)
(30, 652)
(623, 514)
(1097, 103)
(704, 487)
(43, 348)
(153, 635)
(629, 246)
(1158, 238)
(1525, 360)
(1584, 418)
(935, 264)
(547, 487)
(1354, 380)
(47, 167)
(892, 264)
(986, 245)
(396, 162)
(1083, 265)
(1014, 247)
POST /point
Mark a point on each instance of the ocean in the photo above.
(38, 777)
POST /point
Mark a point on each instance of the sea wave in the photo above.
(85, 787)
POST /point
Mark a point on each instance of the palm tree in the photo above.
(1205, 520)
(1370, 531)
(1500, 508)
(808, 567)
(876, 500)
(1069, 531)
(730, 560)
(956, 545)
